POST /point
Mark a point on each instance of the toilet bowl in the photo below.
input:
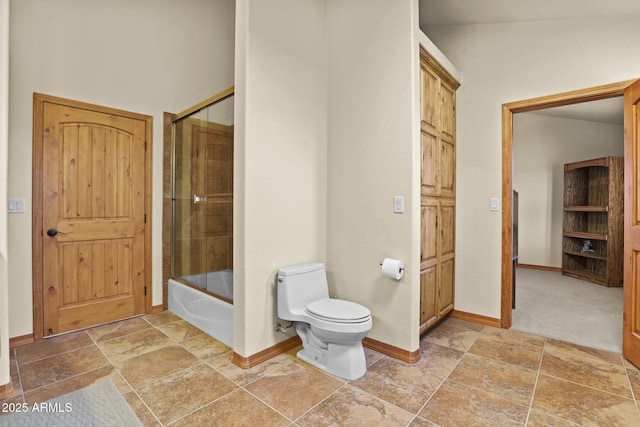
(331, 329)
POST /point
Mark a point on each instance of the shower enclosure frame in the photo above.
(168, 193)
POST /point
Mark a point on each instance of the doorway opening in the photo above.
(564, 292)
(508, 110)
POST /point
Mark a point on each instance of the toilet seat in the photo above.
(338, 311)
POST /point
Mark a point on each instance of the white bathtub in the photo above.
(203, 311)
(216, 282)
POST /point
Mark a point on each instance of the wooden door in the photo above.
(446, 255)
(94, 175)
(428, 263)
(631, 316)
(429, 131)
(447, 139)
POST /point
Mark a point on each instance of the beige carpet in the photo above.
(556, 306)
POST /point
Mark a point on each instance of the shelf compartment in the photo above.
(586, 208)
(586, 186)
(586, 254)
(585, 222)
(587, 275)
(583, 235)
(584, 268)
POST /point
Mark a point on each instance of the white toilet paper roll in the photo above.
(393, 268)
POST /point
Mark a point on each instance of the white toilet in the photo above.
(331, 329)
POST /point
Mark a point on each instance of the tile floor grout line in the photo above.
(295, 421)
(305, 365)
(424, 405)
(267, 405)
(55, 354)
(15, 360)
(633, 394)
(440, 385)
(200, 407)
(604, 362)
(448, 374)
(584, 355)
(175, 373)
(466, 353)
(125, 380)
(590, 387)
(535, 384)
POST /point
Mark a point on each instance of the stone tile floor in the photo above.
(173, 374)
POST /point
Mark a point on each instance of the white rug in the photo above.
(556, 306)
(99, 404)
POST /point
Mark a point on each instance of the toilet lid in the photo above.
(337, 310)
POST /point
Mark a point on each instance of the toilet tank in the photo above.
(299, 285)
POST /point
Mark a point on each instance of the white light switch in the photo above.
(494, 205)
(398, 204)
(16, 205)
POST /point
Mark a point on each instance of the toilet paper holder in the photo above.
(401, 268)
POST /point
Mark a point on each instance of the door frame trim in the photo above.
(508, 109)
(36, 173)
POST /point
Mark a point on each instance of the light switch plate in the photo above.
(494, 205)
(398, 204)
(16, 205)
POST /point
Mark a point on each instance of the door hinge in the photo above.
(145, 218)
(145, 290)
(145, 146)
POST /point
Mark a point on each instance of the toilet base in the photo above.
(347, 361)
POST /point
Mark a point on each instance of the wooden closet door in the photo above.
(429, 263)
(437, 190)
(429, 132)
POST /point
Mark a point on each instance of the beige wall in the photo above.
(146, 56)
(541, 147)
(373, 155)
(502, 63)
(4, 148)
(283, 115)
(280, 212)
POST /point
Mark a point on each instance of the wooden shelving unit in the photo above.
(593, 222)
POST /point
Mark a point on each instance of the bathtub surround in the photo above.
(212, 315)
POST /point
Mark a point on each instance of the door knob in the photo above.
(52, 232)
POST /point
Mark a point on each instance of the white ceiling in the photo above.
(470, 12)
(453, 12)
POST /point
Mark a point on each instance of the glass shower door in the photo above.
(203, 199)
